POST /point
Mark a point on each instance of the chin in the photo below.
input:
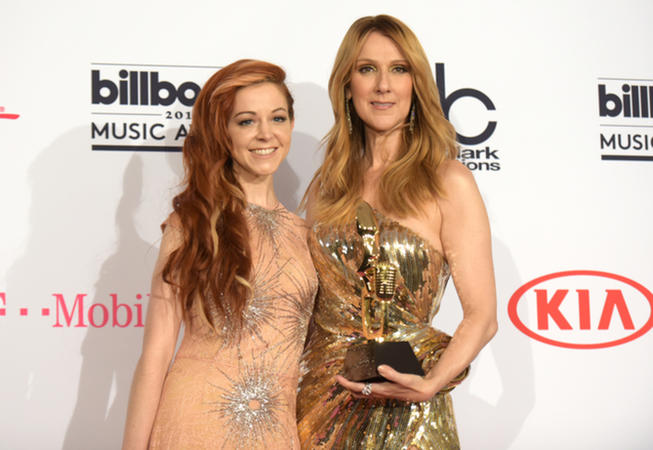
(266, 171)
(382, 123)
(384, 127)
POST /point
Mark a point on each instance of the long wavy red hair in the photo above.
(213, 264)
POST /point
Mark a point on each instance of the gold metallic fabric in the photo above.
(328, 416)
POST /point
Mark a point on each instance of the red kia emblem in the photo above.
(582, 309)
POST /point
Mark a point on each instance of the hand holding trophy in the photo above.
(379, 283)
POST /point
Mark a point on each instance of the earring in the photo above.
(348, 115)
(411, 123)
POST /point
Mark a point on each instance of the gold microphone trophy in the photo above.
(379, 277)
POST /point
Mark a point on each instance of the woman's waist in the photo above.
(352, 324)
(234, 368)
(235, 357)
(340, 310)
(327, 350)
(345, 334)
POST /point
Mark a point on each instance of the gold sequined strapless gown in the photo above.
(328, 416)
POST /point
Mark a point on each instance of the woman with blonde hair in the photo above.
(235, 269)
(390, 197)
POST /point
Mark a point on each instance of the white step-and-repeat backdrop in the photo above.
(553, 102)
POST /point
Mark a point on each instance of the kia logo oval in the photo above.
(582, 309)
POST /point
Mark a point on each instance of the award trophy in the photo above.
(379, 277)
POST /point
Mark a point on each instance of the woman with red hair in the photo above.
(235, 269)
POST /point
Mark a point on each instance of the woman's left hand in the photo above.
(400, 386)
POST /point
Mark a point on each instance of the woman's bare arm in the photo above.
(466, 242)
(161, 331)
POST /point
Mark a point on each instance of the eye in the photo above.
(366, 68)
(280, 118)
(400, 69)
(245, 122)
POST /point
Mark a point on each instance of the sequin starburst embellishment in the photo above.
(261, 309)
(250, 405)
(267, 221)
(297, 311)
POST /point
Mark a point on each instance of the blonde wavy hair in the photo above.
(409, 181)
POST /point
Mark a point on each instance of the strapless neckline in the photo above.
(409, 231)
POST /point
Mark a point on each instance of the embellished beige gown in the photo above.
(328, 416)
(224, 393)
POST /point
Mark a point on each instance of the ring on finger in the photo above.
(367, 389)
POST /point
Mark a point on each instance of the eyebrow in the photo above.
(368, 60)
(280, 108)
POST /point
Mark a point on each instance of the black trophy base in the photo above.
(361, 360)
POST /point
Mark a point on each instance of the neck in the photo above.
(259, 191)
(382, 147)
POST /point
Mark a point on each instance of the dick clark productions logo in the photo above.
(582, 309)
(475, 152)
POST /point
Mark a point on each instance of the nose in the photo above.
(382, 81)
(264, 132)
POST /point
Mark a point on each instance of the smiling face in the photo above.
(381, 84)
(260, 129)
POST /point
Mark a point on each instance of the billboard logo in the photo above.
(634, 102)
(143, 107)
(625, 109)
(141, 88)
(582, 309)
(480, 158)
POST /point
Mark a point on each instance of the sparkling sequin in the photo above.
(262, 306)
(228, 392)
(329, 417)
(296, 313)
(250, 405)
(267, 221)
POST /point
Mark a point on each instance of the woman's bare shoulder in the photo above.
(458, 183)
(173, 235)
(173, 221)
(454, 174)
